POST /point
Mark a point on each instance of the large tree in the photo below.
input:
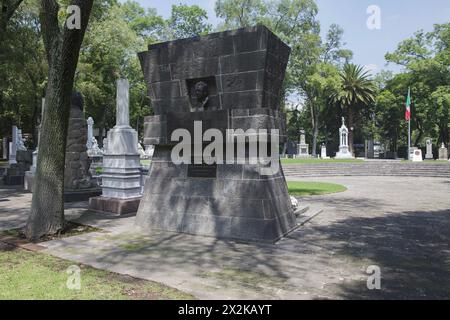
(356, 91)
(62, 46)
(425, 58)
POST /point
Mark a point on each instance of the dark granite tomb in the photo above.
(228, 80)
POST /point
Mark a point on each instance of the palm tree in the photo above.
(357, 90)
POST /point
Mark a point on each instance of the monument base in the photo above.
(232, 201)
(340, 155)
(81, 195)
(114, 206)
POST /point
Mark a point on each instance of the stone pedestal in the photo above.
(121, 177)
(229, 80)
(16, 172)
(415, 155)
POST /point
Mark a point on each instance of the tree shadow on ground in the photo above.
(411, 248)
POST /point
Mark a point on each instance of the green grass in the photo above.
(146, 162)
(304, 188)
(31, 275)
(313, 161)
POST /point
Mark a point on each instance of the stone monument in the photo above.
(94, 152)
(5, 148)
(19, 159)
(343, 143)
(370, 151)
(121, 177)
(443, 152)
(228, 80)
(303, 147)
(29, 175)
(78, 183)
(415, 154)
(429, 155)
(323, 152)
(13, 146)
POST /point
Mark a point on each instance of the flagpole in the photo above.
(408, 107)
(409, 139)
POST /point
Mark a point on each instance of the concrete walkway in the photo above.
(401, 225)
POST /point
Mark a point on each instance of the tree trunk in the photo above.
(315, 126)
(62, 47)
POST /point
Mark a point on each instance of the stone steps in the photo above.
(371, 168)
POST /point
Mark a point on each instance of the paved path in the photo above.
(401, 225)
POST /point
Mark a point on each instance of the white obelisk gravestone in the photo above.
(121, 177)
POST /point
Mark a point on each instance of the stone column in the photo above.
(90, 132)
(121, 177)
(123, 104)
(5, 148)
(13, 146)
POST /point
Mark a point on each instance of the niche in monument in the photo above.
(228, 80)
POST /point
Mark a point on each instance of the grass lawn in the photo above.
(305, 188)
(146, 162)
(33, 275)
(309, 161)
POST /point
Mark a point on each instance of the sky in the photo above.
(399, 19)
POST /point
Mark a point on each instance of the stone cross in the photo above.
(123, 103)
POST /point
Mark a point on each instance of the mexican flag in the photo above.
(408, 106)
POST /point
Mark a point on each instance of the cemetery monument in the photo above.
(443, 152)
(429, 154)
(121, 177)
(227, 80)
(78, 183)
(303, 147)
(343, 153)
